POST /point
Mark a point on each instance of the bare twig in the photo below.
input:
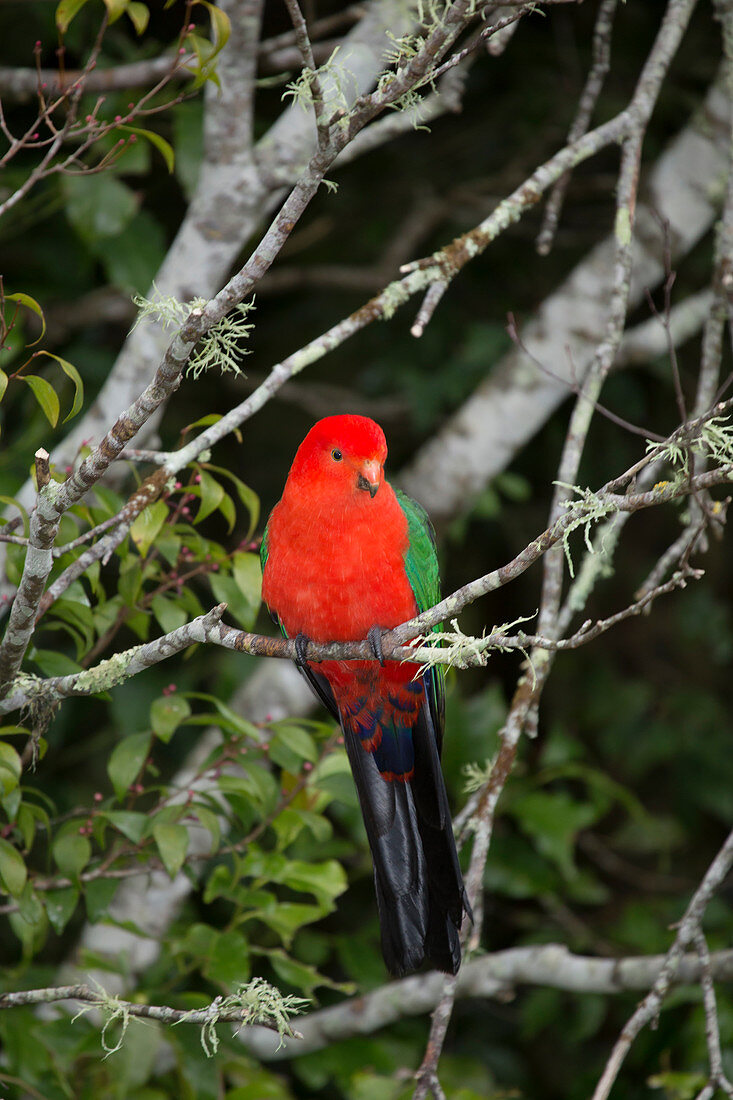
(588, 99)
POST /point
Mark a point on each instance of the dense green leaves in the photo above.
(126, 761)
(147, 525)
(71, 852)
(12, 869)
(172, 842)
(167, 713)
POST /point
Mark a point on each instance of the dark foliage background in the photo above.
(617, 807)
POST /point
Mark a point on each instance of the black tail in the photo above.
(420, 893)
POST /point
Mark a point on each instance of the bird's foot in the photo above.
(301, 645)
(375, 641)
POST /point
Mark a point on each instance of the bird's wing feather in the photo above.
(421, 566)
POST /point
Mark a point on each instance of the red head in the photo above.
(341, 454)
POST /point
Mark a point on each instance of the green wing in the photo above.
(421, 566)
(263, 547)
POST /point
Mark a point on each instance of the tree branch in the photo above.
(493, 975)
(688, 929)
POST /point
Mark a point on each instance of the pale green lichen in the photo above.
(587, 509)
(595, 565)
(713, 440)
(31, 686)
(220, 347)
(331, 78)
(113, 1011)
(259, 1003)
(393, 296)
(166, 309)
(477, 775)
(458, 650)
(107, 674)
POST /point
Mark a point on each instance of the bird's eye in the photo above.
(336, 454)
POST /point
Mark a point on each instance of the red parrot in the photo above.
(344, 558)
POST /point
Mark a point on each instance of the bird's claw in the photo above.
(301, 646)
(374, 637)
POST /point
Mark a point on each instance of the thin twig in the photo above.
(689, 928)
(589, 97)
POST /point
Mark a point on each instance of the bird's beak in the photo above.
(369, 477)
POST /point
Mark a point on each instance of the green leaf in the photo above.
(28, 818)
(60, 906)
(163, 147)
(324, 880)
(3, 383)
(133, 260)
(305, 978)
(333, 775)
(71, 372)
(261, 1085)
(257, 782)
(297, 740)
(553, 820)
(226, 590)
(13, 871)
(166, 714)
(66, 11)
(219, 24)
(12, 805)
(211, 496)
(168, 612)
(247, 573)
(678, 1084)
(289, 824)
(126, 761)
(32, 304)
(288, 917)
(172, 842)
(131, 824)
(139, 15)
(228, 718)
(71, 852)
(98, 206)
(108, 500)
(131, 579)
(209, 821)
(30, 906)
(52, 663)
(98, 896)
(219, 883)
(10, 769)
(188, 134)
(147, 526)
(45, 395)
(206, 51)
(79, 617)
(248, 497)
(228, 964)
(229, 512)
(115, 8)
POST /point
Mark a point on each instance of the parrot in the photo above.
(344, 558)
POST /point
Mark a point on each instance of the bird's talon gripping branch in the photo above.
(301, 648)
(375, 641)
